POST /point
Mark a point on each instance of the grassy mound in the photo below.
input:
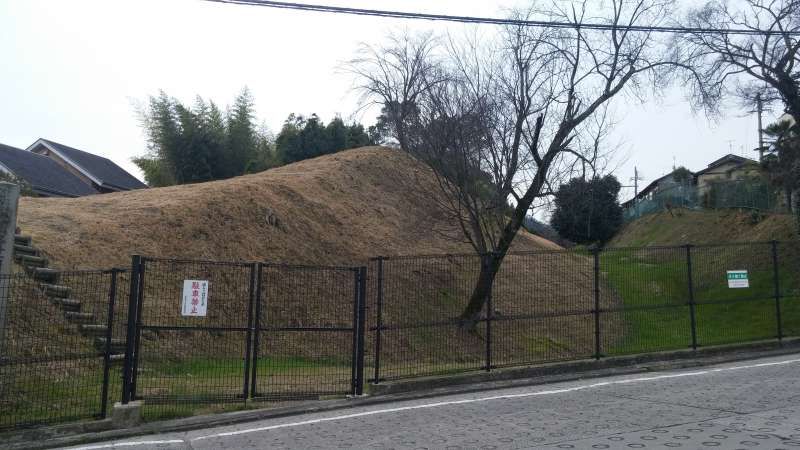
(336, 209)
(705, 227)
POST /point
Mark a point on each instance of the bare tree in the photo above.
(395, 75)
(500, 119)
(754, 66)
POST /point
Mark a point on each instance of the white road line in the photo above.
(129, 444)
(496, 397)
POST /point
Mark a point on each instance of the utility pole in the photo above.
(636, 179)
(760, 104)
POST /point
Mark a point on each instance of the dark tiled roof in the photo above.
(103, 169)
(726, 159)
(43, 174)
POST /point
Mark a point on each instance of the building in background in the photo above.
(50, 169)
(40, 175)
(728, 168)
(98, 172)
(678, 179)
(729, 182)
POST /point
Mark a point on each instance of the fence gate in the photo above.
(309, 336)
(219, 332)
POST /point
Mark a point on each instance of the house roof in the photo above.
(650, 187)
(101, 170)
(43, 174)
(730, 158)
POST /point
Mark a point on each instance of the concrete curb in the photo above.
(651, 361)
(88, 432)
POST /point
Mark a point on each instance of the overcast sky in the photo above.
(71, 72)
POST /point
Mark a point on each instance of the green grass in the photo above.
(34, 395)
(39, 396)
(234, 366)
(210, 383)
(722, 315)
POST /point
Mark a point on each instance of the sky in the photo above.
(74, 71)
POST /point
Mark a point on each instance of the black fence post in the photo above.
(488, 363)
(354, 356)
(256, 330)
(138, 329)
(362, 312)
(691, 296)
(378, 319)
(249, 334)
(776, 280)
(112, 296)
(597, 349)
(130, 335)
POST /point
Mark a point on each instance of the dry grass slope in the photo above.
(336, 209)
(704, 227)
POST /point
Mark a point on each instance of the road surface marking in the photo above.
(496, 397)
(129, 444)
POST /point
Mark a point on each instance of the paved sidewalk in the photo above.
(752, 404)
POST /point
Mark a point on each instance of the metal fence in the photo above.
(568, 305)
(678, 195)
(735, 194)
(73, 344)
(267, 332)
(60, 357)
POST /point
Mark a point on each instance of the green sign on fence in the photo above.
(737, 279)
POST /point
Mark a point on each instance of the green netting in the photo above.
(746, 194)
(741, 194)
(673, 196)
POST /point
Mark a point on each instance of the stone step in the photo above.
(68, 304)
(93, 329)
(79, 317)
(30, 270)
(117, 345)
(33, 261)
(21, 239)
(55, 290)
(18, 257)
(21, 249)
(46, 275)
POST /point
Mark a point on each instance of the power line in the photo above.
(497, 21)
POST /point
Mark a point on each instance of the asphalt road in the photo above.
(745, 405)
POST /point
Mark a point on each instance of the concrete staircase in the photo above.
(35, 264)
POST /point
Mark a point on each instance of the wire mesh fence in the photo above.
(575, 304)
(191, 358)
(56, 359)
(304, 331)
(788, 288)
(259, 331)
(75, 342)
(749, 194)
(647, 290)
(542, 309)
(676, 195)
(718, 194)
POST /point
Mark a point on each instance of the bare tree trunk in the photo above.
(490, 266)
(491, 262)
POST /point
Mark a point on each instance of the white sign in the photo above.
(737, 279)
(195, 298)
